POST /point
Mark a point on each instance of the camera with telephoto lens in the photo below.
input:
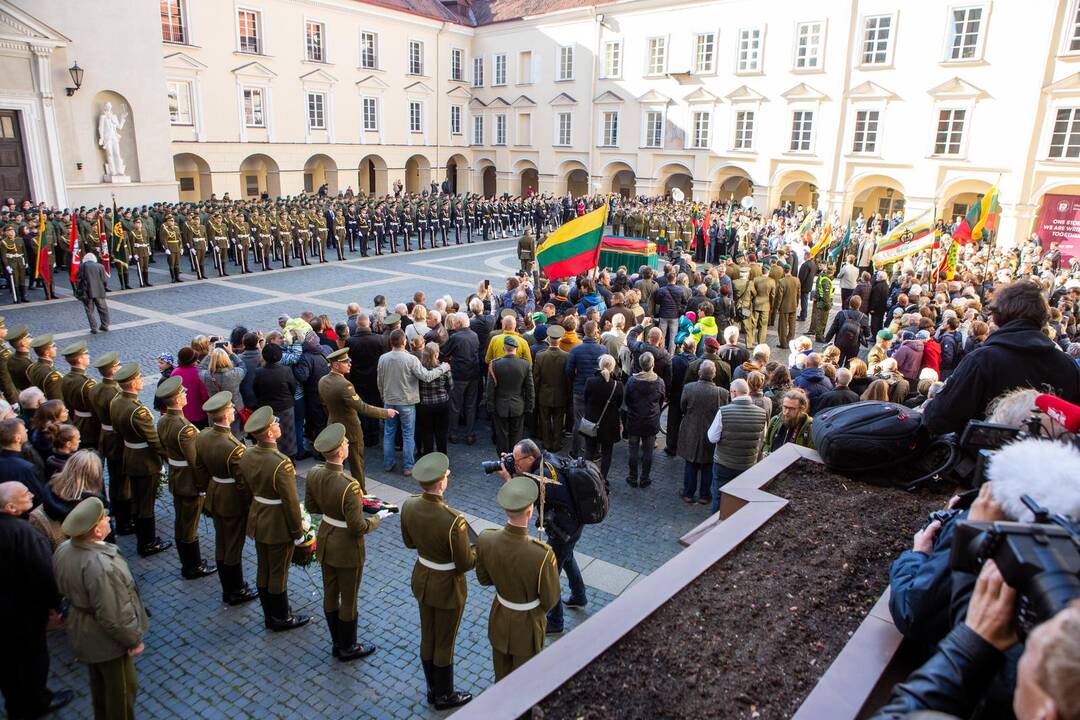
(1040, 560)
(505, 462)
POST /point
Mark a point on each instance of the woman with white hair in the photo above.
(603, 398)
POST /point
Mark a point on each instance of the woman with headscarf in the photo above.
(275, 385)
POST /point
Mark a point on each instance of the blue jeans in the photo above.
(298, 424)
(565, 560)
(696, 478)
(407, 418)
(721, 475)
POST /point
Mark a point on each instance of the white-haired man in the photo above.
(91, 285)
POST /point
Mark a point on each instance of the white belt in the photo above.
(178, 463)
(267, 501)
(225, 481)
(107, 427)
(437, 566)
(335, 522)
(521, 607)
(83, 413)
(135, 446)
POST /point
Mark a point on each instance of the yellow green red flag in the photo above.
(575, 247)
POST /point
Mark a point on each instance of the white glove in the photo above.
(298, 541)
(382, 514)
(168, 252)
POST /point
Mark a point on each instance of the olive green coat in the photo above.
(178, 437)
(135, 425)
(270, 474)
(333, 494)
(217, 455)
(437, 533)
(75, 387)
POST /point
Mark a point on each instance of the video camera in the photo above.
(506, 462)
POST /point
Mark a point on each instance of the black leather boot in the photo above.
(332, 627)
(446, 696)
(193, 566)
(234, 591)
(348, 648)
(148, 541)
(280, 617)
(428, 665)
(121, 511)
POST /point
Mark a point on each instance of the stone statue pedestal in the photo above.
(118, 179)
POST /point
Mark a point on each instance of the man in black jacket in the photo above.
(879, 301)
(851, 328)
(365, 349)
(92, 280)
(462, 351)
(808, 273)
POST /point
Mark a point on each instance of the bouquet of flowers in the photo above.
(373, 505)
(304, 552)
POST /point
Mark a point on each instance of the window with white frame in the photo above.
(370, 114)
(564, 124)
(500, 69)
(657, 57)
(877, 39)
(248, 24)
(1065, 140)
(949, 139)
(314, 41)
(478, 72)
(866, 131)
(654, 128)
(416, 116)
(744, 130)
(702, 122)
(254, 111)
(610, 128)
(1072, 43)
(612, 59)
(369, 50)
(173, 29)
(802, 128)
(749, 55)
(566, 62)
(316, 110)
(455, 119)
(179, 102)
(965, 31)
(704, 53)
(416, 57)
(525, 67)
(808, 46)
(478, 130)
(500, 129)
(457, 64)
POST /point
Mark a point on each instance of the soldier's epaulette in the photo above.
(489, 530)
(541, 543)
(141, 411)
(188, 430)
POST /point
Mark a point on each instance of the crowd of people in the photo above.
(543, 367)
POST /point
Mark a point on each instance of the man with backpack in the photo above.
(851, 328)
(952, 346)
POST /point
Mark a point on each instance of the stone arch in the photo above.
(957, 197)
(621, 178)
(457, 174)
(798, 187)
(733, 181)
(259, 174)
(318, 170)
(193, 176)
(129, 150)
(872, 193)
(1056, 186)
(371, 176)
(676, 175)
(490, 180)
(573, 178)
(417, 174)
(529, 175)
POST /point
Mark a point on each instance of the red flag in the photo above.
(73, 249)
(103, 243)
(706, 226)
(43, 263)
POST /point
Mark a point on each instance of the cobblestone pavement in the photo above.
(204, 659)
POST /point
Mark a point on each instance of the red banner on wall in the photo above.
(1059, 222)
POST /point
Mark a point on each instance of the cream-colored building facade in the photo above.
(850, 105)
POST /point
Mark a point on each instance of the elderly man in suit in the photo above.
(92, 280)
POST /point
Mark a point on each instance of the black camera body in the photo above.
(505, 462)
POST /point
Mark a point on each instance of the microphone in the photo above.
(1063, 413)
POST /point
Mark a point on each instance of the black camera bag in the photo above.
(588, 488)
(865, 437)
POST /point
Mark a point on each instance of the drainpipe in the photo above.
(438, 96)
(592, 110)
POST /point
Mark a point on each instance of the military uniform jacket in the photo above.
(526, 248)
(549, 376)
(764, 287)
(44, 375)
(274, 517)
(743, 292)
(178, 437)
(109, 443)
(437, 532)
(523, 570)
(7, 386)
(790, 289)
(335, 495)
(75, 388)
(342, 405)
(510, 392)
(107, 616)
(217, 463)
(134, 424)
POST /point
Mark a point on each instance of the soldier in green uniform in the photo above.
(75, 388)
(343, 405)
(217, 463)
(7, 386)
(14, 260)
(444, 554)
(764, 289)
(509, 395)
(822, 297)
(552, 389)
(742, 292)
(140, 252)
(274, 519)
(107, 620)
(320, 231)
(526, 251)
(110, 444)
(19, 362)
(142, 455)
(525, 577)
(169, 236)
(41, 373)
(789, 296)
(197, 243)
(339, 233)
(218, 239)
(187, 486)
(284, 237)
(340, 545)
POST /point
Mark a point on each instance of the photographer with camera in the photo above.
(556, 516)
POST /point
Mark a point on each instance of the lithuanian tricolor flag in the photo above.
(823, 240)
(907, 238)
(575, 247)
(982, 216)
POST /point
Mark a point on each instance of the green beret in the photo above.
(41, 341)
(330, 439)
(338, 355)
(218, 401)
(259, 420)
(169, 387)
(74, 349)
(555, 331)
(18, 333)
(84, 517)
(539, 317)
(431, 468)
(392, 319)
(517, 493)
(884, 334)
(107, 360)
(127, 372)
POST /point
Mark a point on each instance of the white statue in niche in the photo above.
(109, 126)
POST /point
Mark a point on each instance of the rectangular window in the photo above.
(457, 64)
(500, 69)
(654, 128)
(525, 69)
(964, 33)
(1074, 30)
(744, 130)
(500, 129)
(416, 57)
(749, 57)
(564, 120)
(248, 21)
(1065, 141)
(251, 185)
(172, 22)
(702, 124)
(253, 108)
(566, 62)
(657, 60)
(877, 33)
(866, 131)
(950, 132)
(369, 50)
(610, 128)
(371, 114)
(314, 33)
(179, 102)
(802, 126)
(316, 110)
(416, 117)
(612, 59)
(455, 119)
(808, 46)
(478, 130)
(704, 52)
(478, 72)
(524, 129)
